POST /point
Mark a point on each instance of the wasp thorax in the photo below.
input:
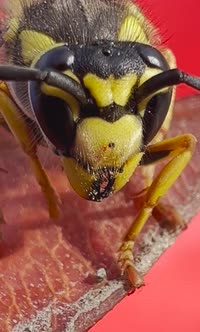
(99, 143)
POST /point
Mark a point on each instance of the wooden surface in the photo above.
(49, 270)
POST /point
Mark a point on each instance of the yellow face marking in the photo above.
(121, 88)
(80, 179)
(130, 166)
(34, 43)
(99, 89)
(67, 97)
(111, 90)
(94, 135)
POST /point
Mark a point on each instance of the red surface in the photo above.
(178, 22)
(171, 299)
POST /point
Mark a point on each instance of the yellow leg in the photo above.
(23, 134)
(180, 151)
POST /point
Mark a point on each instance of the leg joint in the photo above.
(189, 142)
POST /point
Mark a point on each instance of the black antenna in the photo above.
(51, 77)
(164, 80)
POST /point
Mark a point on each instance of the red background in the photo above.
(170, 301)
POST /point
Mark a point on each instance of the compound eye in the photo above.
(155, 114)
(53, 115)
(152, 57)
(60, 58)
(158, 106)
(54, 118)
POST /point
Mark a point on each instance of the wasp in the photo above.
(91, 79)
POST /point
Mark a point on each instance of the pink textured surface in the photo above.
(170, 299)
(48, 269)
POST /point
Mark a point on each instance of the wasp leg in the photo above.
(23, 134)
(166, 214)
(179, 150)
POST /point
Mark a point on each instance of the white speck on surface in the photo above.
(90, 301)
(101, 274)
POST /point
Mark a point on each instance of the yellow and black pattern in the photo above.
(73, 21)
(91, 78)
(41, 25)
